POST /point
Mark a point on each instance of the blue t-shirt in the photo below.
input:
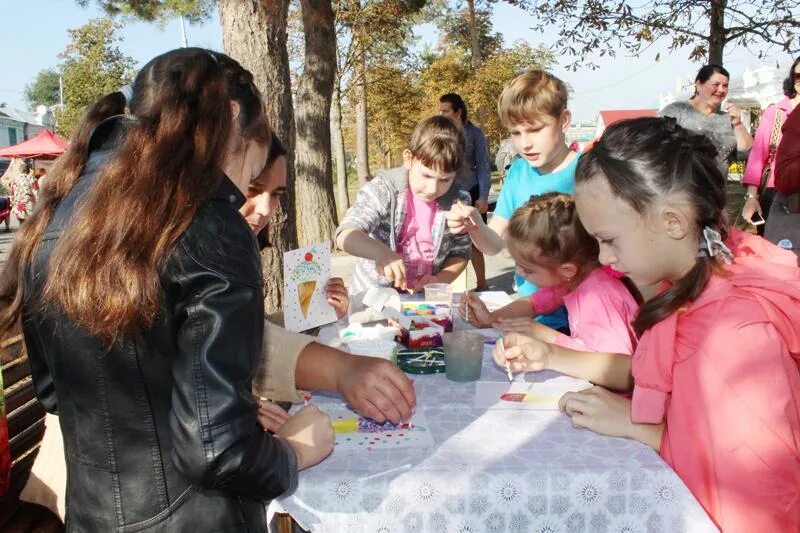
(523, 181)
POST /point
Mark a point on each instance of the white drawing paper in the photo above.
(305, 273)
(534, 396)
(413, 434)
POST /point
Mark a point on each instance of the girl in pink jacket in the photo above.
(716, 378)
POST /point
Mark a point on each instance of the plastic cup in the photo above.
(375, 348)
(463, 355)
(438, 292)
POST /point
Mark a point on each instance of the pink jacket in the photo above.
(760, 150)
(600, 311)
(723, 373)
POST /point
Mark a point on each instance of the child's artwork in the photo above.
(305, 273)
(354, 432)
(529, 396)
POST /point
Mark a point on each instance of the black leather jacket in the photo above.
(160, 432)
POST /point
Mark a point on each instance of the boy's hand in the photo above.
(523, 353)
(462, 218)
(310, 433)
(482, 205)
(391, 266)
(336, 294)
(419, 286)
(479, 315)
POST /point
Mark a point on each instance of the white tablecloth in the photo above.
(494, 470)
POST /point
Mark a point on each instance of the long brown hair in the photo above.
(548, 232)
(104, 271)
(645, 159)
(60, 180)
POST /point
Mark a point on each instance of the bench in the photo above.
(25, 429)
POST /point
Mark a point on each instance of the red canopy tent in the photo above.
(46, 145)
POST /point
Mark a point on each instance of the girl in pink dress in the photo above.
(717, 384)
(553, 250)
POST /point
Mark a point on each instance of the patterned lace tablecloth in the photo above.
(494, 470)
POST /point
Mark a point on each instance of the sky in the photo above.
(618, 83)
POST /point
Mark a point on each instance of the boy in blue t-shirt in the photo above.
(533, 106)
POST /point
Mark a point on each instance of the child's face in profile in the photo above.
(636, 245)
(535, 273)
(541, 141)
(426, 184)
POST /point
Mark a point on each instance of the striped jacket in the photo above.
(380, 210)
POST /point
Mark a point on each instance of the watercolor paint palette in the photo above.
(353, 432)
(418, 332)
(437, 312)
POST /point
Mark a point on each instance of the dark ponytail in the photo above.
(645, 159)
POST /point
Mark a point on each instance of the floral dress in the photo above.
(23, 195)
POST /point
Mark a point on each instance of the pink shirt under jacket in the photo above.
(723, 373)
(600, 312)
(760, 149)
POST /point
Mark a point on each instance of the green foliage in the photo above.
(704, 27)
(392, 97)
(454, 27)
(483, 88)
(44, 89)
(93, 66)
(156, 10)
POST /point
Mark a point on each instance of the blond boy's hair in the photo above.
(531, 95)
(438, 143)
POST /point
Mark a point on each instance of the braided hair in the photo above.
(548, 232)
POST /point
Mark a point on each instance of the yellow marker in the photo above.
(347, 425)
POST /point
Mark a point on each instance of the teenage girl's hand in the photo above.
(270, 415)
(526, 326)
(376, 388)
(310, 434)
(523, 353)
(604, 412)
(336, 294)
(462, 218)
(479, 315)
(392, 267)
(599, 410)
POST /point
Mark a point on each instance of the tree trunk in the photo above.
(362, 130)
(477, 59)
(717, 35)
(314, 179)
(254, 33)
(337, 140)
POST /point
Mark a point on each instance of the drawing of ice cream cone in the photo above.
(306, 275)
(305, 291)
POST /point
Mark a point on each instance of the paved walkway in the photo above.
(6, 238)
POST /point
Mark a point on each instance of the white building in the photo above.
(17, 126)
